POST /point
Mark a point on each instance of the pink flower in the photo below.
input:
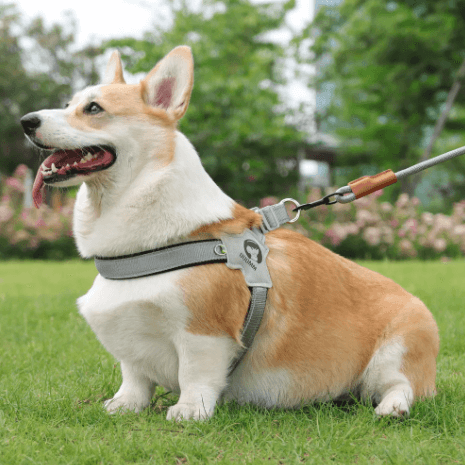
(411, 225)
(351, 228)
(407, 249)
(364, 202)
(394, 223)
(377, 194)
(19, 236)
(440, 244)
(402, 201)
(48, 235)
(333, 236)
(364, 217)
(386, 207)
(372, 235)
(40, 223)
(6, 213)
(459, 210)
(459, 230)
(266, 201)
(314, 194)
(388, 235)
(15, 184)
(427, 218)
(442, 222)
(33, 243)
(20, 171)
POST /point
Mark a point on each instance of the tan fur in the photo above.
(243, 218)
(117, 100)
(324, 319)
(220, 308)
(415, 325)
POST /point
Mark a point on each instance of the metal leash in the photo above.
(369, 184)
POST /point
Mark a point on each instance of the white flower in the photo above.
(427, 218)
(402, 201)
(386, 207)
(407, 248)
(443, 222)
(440, 244)
(372, 235)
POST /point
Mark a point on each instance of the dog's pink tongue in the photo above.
(39, 186)
(37, 189)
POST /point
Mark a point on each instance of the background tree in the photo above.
(391, 66)
(14, 89)
(39, 71)
(235, 119)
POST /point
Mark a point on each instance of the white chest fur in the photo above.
(137, 320)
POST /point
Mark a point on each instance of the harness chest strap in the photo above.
(246, 252)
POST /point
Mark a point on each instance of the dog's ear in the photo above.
(114, 71)
(169, 84)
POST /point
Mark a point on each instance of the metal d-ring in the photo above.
(220, 250)
(297, 205)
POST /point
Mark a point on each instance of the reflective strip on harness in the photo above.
(161, 260)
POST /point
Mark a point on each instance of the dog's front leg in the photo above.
(203, 370)
(135, 392)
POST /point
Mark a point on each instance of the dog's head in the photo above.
(106, 130)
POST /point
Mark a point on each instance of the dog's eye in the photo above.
(67, 105)
(93, 108)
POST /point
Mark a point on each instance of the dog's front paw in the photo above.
(180, 412)
(395, 404)
(124, 403)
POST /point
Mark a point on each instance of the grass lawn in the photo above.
(54, 376)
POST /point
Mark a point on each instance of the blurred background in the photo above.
(291, 98)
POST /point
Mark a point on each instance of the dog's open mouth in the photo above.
(62, 165)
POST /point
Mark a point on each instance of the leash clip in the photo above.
(324, 201)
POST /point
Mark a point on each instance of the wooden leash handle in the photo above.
(369, 184)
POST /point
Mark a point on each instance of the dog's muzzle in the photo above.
(30, 123)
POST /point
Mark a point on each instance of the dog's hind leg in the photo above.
(135, 392)
(404, 367)
(385, 384)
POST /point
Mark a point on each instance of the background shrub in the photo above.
(365, 229)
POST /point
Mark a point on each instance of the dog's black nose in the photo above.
(30, 123)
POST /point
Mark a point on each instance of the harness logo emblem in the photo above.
(253, 254)
(247, 252)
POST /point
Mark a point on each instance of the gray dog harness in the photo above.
(246, 252)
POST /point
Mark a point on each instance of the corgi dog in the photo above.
(331, 328)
